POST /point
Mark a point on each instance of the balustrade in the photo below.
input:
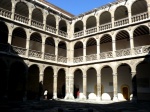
(121, 22)
(105, 26)
(62, 59)
(139, 17)
(91, 57)
(37, 24)
(48, 56)
(91, 30)
(5, 13)
(51, 29)
(141, 49)
(62, 33)
(78, 34)
(18, 50)
(105, 55)
(21, 18)
(35, 54)
(123, 52)
(78, 59)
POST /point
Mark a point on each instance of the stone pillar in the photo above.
(55, 87)
(43, 50)
(115, 87)
(98, 50)
(84, 85)
(27, 46)
(10, 37)
(134, 87)
(84, 29)
(132, 44)
(114, 48)
(57, 25)
(67, 88)
(13, 11)
(99, 92)
(84, 53)
(113, 21)
(56, 52)
(44, 19)
(30, 16)
(130, 16)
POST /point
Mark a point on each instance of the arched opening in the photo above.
(48, 81)
(50, 46)
(19, 38)
(143, 80)
(37, 15)
(107, 82)
(141, 36)
(124, 78)
(3, 33)
(91, 46)
(51, 21)
(139, 6)
(6, 4)
(104, 18)
(63, 26)
(61, 85)
(78, 82)
(91, 22)
(3, 79)
(35, 42)
(17, 81)
(62, 49)
(33, 85)
(121, 12)
(78, 26)
(91, 80)
(22, 9)
(78, 49)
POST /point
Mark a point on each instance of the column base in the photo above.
(55, 96)
(115, 98)
(69, 97)
(98, 98)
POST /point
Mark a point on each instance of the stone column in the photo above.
(30, 16)
(132, 44)
(55, 86)
(114, 48)
(67, 88)
(27, 46)
(130, 16)
(98, 50)
(43, 50)
(84, 85)
(112, 21)
(84, 30)
(99, 92)
(115, 87)
(13, 11)
(56, 52)
(84, 53)
(10, 37)
(134, 87)
(57, 25)
(44, 19)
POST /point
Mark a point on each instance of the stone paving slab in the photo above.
(74, 106)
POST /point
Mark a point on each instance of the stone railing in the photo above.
(18, 50)
(78, 59)
(79, 34)
(106, 26)
(142, 49)
(62, 59)
(35, 54)
(139, 17)
(51, 29)
(62, 33)
(91, 57)
(37, 24)
(123, 52)
(91, 30)
(5, 13)
(48, 56)
(21, 18)
(105, 55)
(121, 22)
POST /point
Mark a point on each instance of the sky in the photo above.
(77, 7)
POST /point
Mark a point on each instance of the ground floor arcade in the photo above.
(118, 80)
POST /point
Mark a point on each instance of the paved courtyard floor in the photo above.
(74, 106)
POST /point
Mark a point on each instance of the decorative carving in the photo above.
(12, 25)
(129, 28)
(112, 32)
(30, 30)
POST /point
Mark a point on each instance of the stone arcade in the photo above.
(103, 53)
